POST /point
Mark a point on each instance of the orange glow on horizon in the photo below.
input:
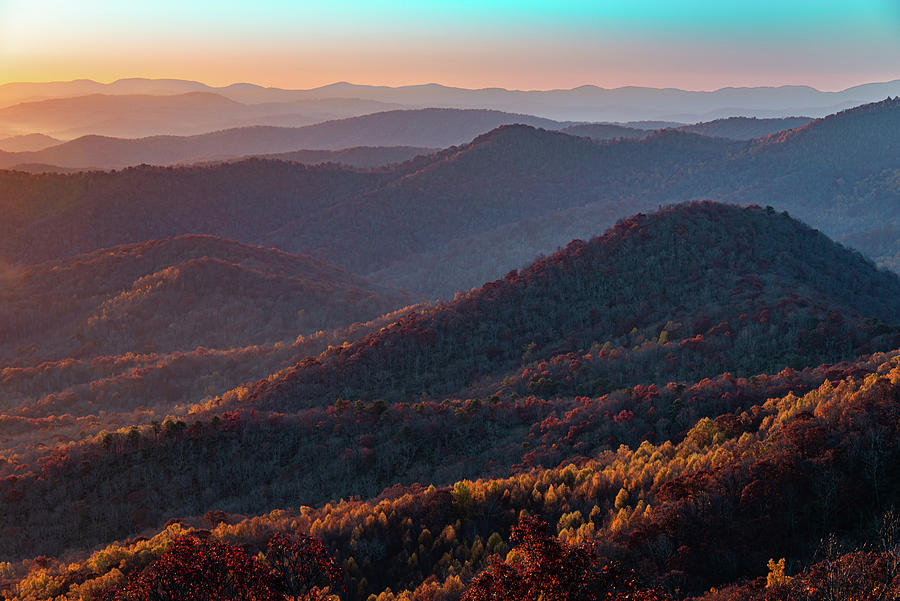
(307, 45)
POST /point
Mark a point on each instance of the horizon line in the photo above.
(435, 84)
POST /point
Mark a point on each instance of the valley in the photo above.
(437, 349)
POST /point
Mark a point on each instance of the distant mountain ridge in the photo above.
(584, 103)
(468, 212)
(27, 142)
(413, 131)
(190, 113)
(432, 128)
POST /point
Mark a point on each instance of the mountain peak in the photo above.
(766, 276)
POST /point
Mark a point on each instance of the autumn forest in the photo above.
(350, 349)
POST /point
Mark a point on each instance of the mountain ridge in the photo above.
(420, 128)
(561, 104)
(773, 263)
(136, 297)
(424, 206)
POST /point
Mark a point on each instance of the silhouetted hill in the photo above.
(652, 125)
(52, 216)
(27, 142)
(18, 92)
(584, 103)
(629, 103)
(740, 290)
(125, 115)
(833, 173)
(422, 128)
(176, 294)
(508, 175)
(137, 115)
(745, 128)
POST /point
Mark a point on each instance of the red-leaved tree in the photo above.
(199, 570)
(545, 569)
(301, 567)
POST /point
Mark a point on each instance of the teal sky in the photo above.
(690, 44)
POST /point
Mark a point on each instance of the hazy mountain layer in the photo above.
(176, 294)
(137, 115)
(585, 103)
(432, 128)
(26, 143)
(436, 209)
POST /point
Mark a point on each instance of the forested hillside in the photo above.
(688, 290)
(221, 381)
(833, 173)
(779, 472)
(53, 216)
(176, 294)
(563, 329)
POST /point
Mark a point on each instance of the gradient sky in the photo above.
(690, 44)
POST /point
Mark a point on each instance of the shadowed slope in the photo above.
(176, 294)
(780, 292)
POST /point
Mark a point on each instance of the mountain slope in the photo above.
(28, 142)
(742, 290)
(176, 294)
(584, 103)
(507, 175)
(191, 113)
(321, 454)
(433, 128)
(838, 173)
(833, 173)
(53, 216)
(745, 128)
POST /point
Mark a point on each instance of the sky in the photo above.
(516, 44)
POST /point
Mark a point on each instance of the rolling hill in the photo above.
(692, 289)
(630, 103)
(584, 103)
(702, 403)
(432, 128)
(728, 277)
(192, 113)
(437, 209)
(28, 142)
(52, 216)
(176, 294)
